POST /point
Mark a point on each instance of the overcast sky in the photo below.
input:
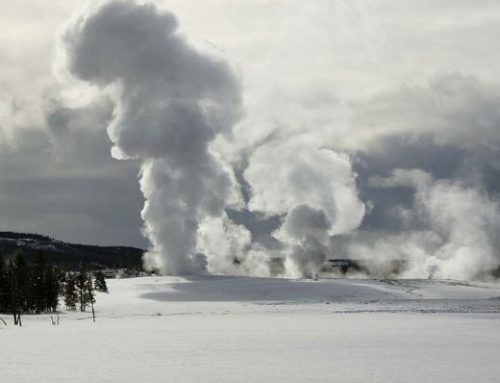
(390, 84)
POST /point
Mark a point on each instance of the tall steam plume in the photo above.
(404, 181)
(171, 102)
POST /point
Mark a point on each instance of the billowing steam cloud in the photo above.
(323, 175)
(314, 189)
(171, 101)
(463, 220)
(457, 238)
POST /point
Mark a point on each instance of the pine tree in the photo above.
(89, 291)
(90, 296)
(51, 289)
(81, 286)
(22, 286)
(15, 303)
(100, 282)
(70, 293)
(28, 288)
(39, 293)
(4, 286)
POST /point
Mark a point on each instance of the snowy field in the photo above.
(235, 329)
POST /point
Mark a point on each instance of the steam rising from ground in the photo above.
(461, 225)
(295, 162)
(314, 189)
(171, 101)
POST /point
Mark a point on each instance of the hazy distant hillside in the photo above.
(68, 255)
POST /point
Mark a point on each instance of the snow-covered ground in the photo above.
(235, 329)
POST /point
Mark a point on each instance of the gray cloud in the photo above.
(65, 197)
(454, 110)
(401, 151)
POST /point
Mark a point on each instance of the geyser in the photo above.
(177, 110)
(171, 101)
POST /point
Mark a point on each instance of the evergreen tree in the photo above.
(22, 286)
(39, 293)
(90, 297)
(89, 292)
(100, 282)
(35, 288)
(51, 289)
(70, 293)
(15, 302)
(82, 288)
(4, 286)
(26, 288)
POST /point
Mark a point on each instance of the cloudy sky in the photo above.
(376, 123)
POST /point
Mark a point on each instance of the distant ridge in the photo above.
(69, 255)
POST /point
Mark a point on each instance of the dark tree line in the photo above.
(35, 288)
(28, 288)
